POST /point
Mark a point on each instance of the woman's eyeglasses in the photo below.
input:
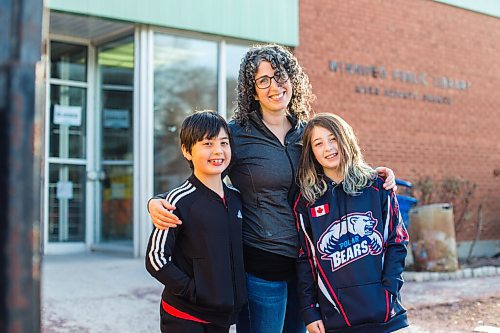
(264, 81)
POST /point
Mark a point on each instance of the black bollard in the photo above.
(20, 160)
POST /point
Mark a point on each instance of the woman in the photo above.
(274, 103)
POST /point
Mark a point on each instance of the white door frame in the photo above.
(68, 247)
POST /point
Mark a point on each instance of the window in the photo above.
(234, 54)
(185, 80)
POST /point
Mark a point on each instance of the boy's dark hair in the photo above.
(201, 125)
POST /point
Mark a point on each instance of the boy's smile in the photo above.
(216, 162)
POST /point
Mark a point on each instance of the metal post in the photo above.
(20, 160)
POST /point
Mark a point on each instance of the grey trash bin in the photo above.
(432, 236)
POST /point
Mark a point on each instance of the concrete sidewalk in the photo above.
(107, 293)
(97, 293)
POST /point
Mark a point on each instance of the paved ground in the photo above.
(107, 293)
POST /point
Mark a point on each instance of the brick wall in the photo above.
(413, 43)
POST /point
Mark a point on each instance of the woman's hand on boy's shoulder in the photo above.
(389, 177)
(161, 214)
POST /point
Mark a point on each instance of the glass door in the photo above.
(66, 142)
(115, 135)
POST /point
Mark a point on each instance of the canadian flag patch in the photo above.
(320, 210)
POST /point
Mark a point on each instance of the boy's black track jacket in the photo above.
(201, 261)
(351, 257)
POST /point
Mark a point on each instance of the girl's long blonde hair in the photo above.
(357, 174)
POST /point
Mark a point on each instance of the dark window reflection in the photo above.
(67, 203)
(234, 54)
(67, 121)
(117, 203)
(116, 62)
(68, 61)
(117, 116)
(185, 79)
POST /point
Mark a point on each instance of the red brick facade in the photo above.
(381, 65)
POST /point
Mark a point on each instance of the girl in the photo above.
(352, 238)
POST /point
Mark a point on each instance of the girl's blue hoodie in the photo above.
(351, 257)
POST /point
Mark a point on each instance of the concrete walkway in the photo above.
(107, 293)
(97, 293)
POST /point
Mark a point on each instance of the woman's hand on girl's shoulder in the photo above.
(390, 178)
(316, 327)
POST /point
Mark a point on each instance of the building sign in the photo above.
(67, 115)
(409, 80)
(116, 118)
(117, 190)
(64, 190)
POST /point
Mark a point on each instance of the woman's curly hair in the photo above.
(280, 59)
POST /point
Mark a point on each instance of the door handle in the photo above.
(96, 175)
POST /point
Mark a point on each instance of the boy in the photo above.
(201, 261)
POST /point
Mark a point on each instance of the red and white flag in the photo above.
(320, 210)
